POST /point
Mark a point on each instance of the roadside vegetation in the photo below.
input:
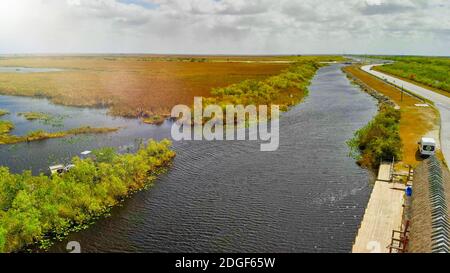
(36, 210)
(415, 122)
(379, 140)
(432, 72)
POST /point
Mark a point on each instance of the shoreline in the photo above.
(382, 217)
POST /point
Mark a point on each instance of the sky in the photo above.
(412, 27)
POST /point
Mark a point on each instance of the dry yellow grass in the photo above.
(415, 122)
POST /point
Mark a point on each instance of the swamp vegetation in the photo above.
(379, 140)
(36, 210)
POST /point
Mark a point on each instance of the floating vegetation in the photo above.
(3, 112)
(76, 139)
(45, 118)
(31, 116)
(37, 210)
(5, 127)
(154, 120)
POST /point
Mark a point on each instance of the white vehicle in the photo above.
(427, 146)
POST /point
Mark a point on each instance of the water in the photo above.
(24, 70)
(308, 196)
(38, 156)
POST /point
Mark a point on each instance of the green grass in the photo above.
(36, 210)
(429, 71)
(3, 112)
(286, 89)
(379, 140)
(5, 127)
(154, 120)
(35, 116)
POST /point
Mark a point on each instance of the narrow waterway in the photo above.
(308, 196)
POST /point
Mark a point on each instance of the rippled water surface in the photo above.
(308, 196)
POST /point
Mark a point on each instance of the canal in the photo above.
(308, 196)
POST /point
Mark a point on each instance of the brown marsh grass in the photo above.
(128, 86)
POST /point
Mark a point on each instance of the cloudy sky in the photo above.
(226, 26)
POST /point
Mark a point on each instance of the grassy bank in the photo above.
(432, 72)
(415, 121)
(39, 209)
(286, 89)
(379, 140)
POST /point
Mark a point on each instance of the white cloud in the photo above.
(225, 26)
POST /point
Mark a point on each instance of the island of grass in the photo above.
(37, 210)
(35, 116)
(285, 89)
(3, 112)
(155, 120)
(6, 138)
(5, 127)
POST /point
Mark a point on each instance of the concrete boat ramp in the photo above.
(383, 215)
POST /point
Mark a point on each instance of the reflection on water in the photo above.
(24, 70)
(308, 196)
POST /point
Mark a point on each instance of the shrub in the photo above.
(40, 208)
(379, 140)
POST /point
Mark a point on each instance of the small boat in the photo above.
(57, 169)
(60, 169)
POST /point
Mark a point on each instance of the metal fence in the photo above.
(439, 209)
